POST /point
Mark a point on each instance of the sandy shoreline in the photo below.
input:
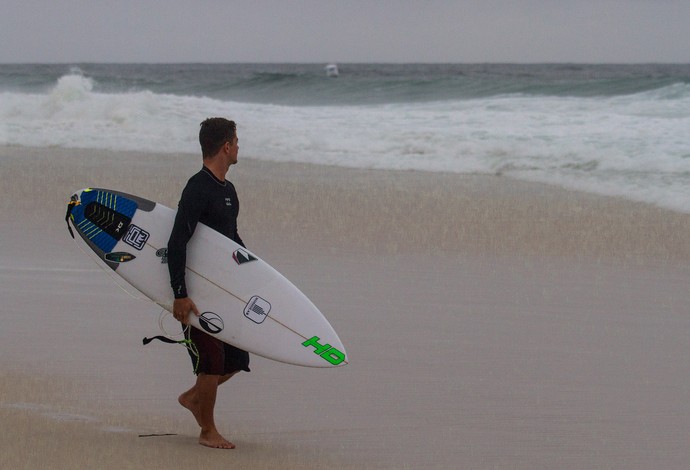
(491, 323)
(389, 211)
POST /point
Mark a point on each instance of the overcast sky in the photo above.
(345, 31)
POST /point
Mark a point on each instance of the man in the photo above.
(212, 200)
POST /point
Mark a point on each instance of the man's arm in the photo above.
(189, 210)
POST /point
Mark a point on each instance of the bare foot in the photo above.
(215, 440)
(187, 399)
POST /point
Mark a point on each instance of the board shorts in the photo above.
(214, 356)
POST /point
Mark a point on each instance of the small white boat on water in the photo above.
(331, 70)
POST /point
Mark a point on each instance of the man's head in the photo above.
(214, 134)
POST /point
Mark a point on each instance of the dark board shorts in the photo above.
(215, 356)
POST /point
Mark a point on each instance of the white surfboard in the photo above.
(243, 300)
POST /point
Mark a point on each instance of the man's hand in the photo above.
(182, 307)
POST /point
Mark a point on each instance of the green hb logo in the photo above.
(326, 351)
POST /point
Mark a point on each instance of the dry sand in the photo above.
(490, 323)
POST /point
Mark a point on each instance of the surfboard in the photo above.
(244, 301)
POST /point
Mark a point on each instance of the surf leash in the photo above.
(73, 202)
(186, 342)
(164, 339)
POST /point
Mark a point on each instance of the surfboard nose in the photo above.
(332, 355)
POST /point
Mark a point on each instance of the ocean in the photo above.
(621, 130)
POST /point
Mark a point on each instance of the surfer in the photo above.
(212, 200)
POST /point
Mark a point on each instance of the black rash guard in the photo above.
(210, 201)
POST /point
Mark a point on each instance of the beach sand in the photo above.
(490, 323)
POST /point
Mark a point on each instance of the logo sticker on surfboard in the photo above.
(119, 257)
(257, 309)
(211, 322)
(162, 253)
(136, 237)
(242, 256)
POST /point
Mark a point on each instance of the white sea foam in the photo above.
(636, 146)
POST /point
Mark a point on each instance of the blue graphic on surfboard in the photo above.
(245, 302)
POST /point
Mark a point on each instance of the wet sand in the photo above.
(490, 323)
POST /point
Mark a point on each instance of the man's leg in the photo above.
(201, 401)
(207, 388)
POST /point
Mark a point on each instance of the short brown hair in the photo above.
(214, 133)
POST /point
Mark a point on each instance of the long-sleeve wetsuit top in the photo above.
(210, 201)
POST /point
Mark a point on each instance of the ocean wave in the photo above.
(588, 142)
(358, 84)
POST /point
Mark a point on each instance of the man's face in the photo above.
(232, 149)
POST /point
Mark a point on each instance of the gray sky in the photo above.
(345, 31)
